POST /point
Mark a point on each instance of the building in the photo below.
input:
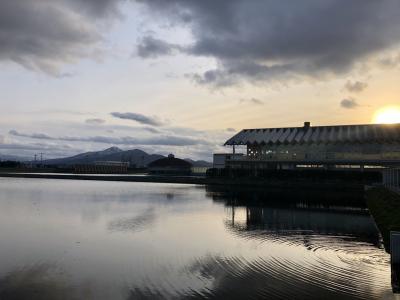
(170, 166)
(220, 159)
(102, 167)
(342, 146)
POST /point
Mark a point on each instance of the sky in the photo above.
(182, 76)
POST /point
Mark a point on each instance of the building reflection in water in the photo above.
(291, 214)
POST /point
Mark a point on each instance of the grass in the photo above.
(384, 206)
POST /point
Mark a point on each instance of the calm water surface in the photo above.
(66, 239)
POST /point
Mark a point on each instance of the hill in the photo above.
(4, 157)
(135, 157)
(199, 163)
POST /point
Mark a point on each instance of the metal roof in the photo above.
(341, 134)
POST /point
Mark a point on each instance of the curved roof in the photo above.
(370, 133)
(170, 162)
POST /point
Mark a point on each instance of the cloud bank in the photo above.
(267, 40)
(44, 35)
(164, 140)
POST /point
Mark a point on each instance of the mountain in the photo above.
(135, 157)
(13, 157)
(199, 163)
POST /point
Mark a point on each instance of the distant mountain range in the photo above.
(13, 157)
(199, 163)
(135, 157)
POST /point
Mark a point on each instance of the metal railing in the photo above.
(327, 156)
(391, 179)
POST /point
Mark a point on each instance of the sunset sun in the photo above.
(387, 115)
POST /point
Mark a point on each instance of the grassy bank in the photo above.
(384, 206)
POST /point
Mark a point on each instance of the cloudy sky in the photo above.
(182, 76)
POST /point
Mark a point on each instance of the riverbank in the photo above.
(339, 185)
(384, 206)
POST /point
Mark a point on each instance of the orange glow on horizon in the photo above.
(387, 115)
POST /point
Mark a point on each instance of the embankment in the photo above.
(288, 183)
(384, 206)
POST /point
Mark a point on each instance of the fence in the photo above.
(391, 179)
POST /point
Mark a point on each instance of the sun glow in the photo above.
(387, 115)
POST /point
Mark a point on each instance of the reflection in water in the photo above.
(40, 281)
(294, 221)
(185, 242)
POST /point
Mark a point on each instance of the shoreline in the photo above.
(247, 182)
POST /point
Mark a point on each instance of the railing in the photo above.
(391, 179)
(328, 156)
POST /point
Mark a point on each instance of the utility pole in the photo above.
(41, 158)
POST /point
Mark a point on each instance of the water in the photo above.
(69, 239)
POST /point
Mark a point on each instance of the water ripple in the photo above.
(133, 224)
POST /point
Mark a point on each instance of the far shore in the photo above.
(339, 185)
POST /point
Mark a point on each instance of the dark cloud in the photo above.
(153, 121)
(150, 47)
(40, 136)
(43, 35)
(164, 140)
(267, 40)
(95, 121)
(252, 101)
(349, 103)
(96, 8)
(356, 87)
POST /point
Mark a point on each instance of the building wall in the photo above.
(323, 152)
(101, 169)
(170, 170)
(219, 159)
